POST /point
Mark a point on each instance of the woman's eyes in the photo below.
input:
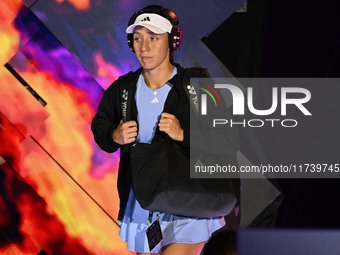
(137, 39)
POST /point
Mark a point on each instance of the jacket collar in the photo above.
(176, 80)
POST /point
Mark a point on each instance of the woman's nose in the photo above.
(145, 45)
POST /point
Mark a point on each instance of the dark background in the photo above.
(284, 39)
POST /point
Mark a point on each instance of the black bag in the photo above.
(163, 184)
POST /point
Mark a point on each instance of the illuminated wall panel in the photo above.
(70, 202)
(69, 106)
(57, 188)
(19, 106)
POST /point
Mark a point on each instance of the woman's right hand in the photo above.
(125, 133)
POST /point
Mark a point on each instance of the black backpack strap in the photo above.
(192, 93)
(126, 92)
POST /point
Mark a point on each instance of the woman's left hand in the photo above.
(170, 125)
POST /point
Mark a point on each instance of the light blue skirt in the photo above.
(175, 229)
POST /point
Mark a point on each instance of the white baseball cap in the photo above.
(153, 22)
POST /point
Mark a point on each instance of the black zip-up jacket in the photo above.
(109, 115)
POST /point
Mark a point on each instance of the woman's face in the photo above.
(152, 50)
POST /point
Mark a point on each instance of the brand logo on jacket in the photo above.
(207, 89)
(125, 96)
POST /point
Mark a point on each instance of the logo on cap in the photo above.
(146, 19)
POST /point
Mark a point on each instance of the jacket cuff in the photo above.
(111, 134)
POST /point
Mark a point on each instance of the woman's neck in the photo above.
(156, 78)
